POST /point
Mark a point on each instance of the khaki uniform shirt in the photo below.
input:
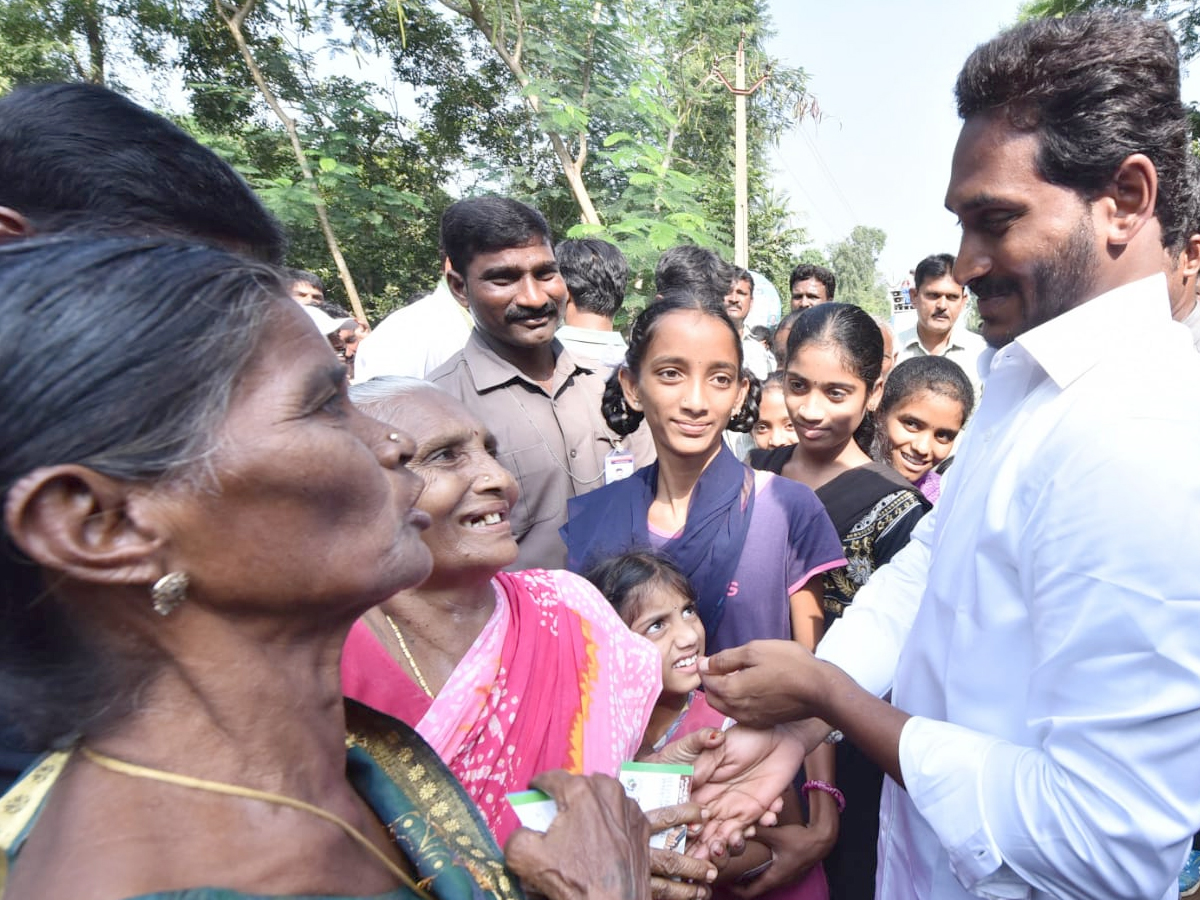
(964, 348)
(553, 443)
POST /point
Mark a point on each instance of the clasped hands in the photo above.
(739, 777)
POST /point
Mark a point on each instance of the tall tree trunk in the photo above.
(572, 168)
(234, 17)
(93, 30)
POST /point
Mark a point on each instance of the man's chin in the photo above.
(997, 336)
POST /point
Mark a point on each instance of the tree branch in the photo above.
(234, 21)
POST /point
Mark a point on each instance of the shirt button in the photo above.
(573, 454)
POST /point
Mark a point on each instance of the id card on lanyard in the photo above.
(618, 464)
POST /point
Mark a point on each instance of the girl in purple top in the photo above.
(752, 545)
(926, 402)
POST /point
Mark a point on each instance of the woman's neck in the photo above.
(677, 478)
(244, 703)
(438, 625)
(241, 702)
(816, 469)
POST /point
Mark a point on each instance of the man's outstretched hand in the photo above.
(762, 683)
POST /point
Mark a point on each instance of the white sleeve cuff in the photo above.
(943, 767)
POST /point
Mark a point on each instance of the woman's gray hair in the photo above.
(121, 355)
(377, 395)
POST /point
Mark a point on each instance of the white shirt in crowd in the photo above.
(591, 345)
(415, 339)
(1042, 625)
(758, 359)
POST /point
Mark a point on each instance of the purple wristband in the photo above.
(826, 788)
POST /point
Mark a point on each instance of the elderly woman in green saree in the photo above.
(194, 517)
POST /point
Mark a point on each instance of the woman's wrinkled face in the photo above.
(468, 495)
(311, 504)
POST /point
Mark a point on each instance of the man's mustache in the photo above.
(992, 286)
(523, 314)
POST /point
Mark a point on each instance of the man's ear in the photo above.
(1129, 200)
(13, 224)
(73, 520)
(458, 287)
(1191, 256)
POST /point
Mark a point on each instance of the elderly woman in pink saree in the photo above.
(505, 674)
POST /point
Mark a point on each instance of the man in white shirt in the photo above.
(596, 273)
(738, 303)
(939, 301)
(1038, 634)
(415, 339)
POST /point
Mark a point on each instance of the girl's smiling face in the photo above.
(667, 617)
(688, 384)
(921, 431)
(825, 399)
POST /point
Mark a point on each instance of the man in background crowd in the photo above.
(595, 273)
(738, 303)
(541, 403)
(811, 285)
(939, 301)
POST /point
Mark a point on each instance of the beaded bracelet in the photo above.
(826, 788)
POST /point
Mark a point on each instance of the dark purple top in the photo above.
(790, 539)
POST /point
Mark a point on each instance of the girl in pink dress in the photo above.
(656, 601)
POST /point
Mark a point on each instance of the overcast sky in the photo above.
(883, 73)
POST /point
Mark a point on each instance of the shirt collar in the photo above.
(489, 371)
(1070, 344)
(912, 340)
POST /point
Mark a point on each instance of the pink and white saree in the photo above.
(554, 680)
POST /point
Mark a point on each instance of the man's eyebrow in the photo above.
(979, 201)
(501, 272)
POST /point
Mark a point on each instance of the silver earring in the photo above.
(394, 437)
(169, 592)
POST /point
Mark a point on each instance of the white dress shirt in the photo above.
(1043, 625)
(415, 339)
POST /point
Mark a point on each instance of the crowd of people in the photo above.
(290, 606)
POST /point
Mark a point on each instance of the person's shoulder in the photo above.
(448, 371)
(969, 340)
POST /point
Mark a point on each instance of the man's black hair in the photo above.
(1095, 89)
(596, 273)
(487, 225)
(694, 270)
(931, 268)
(81, 157)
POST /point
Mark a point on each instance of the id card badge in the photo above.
(618, 464)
